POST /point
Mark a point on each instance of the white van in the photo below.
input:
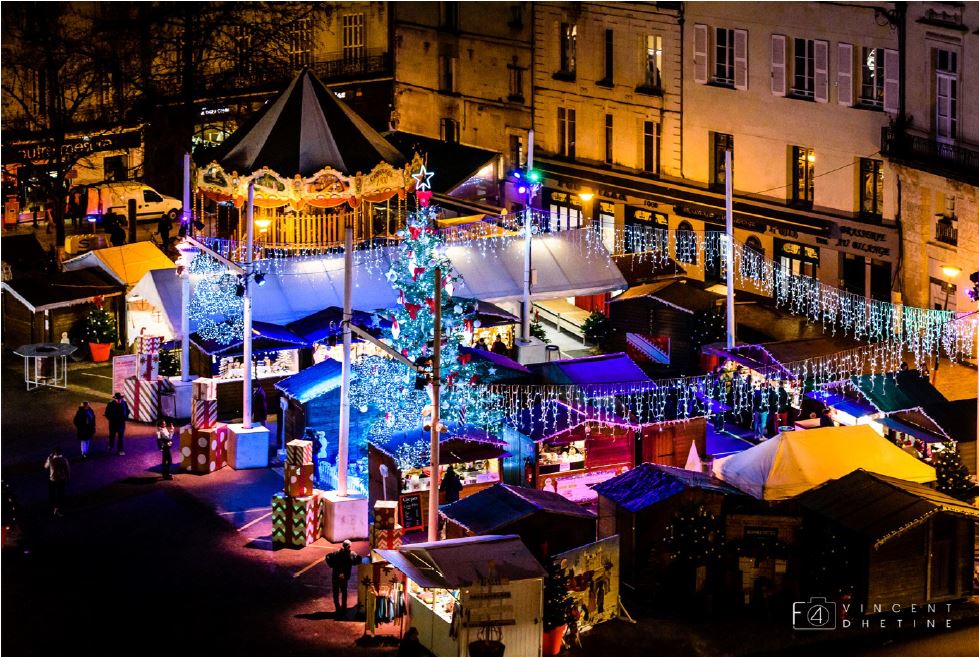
(150, 204)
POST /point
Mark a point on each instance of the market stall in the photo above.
(400, 469)
(491, 586)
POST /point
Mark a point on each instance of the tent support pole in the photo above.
(246, 394)
(344, 439)
(433, 487)
(185, 325)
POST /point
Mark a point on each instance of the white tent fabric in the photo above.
(795, 461)
(160, 288)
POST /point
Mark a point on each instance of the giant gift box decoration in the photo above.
(143, 398)
(299, 452)
(297, 521)
(205, 389)
(204, 413)
(203, 450)
(148, 348)
(299, 479)
(385, 514)
(386, 539)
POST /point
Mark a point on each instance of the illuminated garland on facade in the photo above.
(215, 307)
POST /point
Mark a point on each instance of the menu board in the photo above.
(123, 367)
(411, 511)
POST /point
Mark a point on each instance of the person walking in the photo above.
(164, 441)
(84, 422)
(117, 412)
(451, 485)
(341, 562)
(58, 474)
(760, 407)
(260, 407)
(163, 227)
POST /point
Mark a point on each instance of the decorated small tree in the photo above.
(952, 473)
(537, 330)
(557, 599)
(597, 328)
(99, 326)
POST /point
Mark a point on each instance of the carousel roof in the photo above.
(304, 130)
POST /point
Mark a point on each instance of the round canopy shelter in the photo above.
(45, 364)
(315, 165)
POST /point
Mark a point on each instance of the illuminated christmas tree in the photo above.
(952, 474)
(216, 306)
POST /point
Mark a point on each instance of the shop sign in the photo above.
(73, 148)
(647, 216)
(707, 214)
(606, 207)
(760, 533)
(783, 231)
(611, 193)
(863, 240)
(798, 251)
(650, 204)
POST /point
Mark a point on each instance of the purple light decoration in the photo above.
(522, 189)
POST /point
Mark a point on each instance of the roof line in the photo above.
(18, 297)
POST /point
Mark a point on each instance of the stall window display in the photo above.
(442, 601)
(268, 364)
(485, 471)
(562, 458)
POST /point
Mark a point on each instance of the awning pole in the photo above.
(729, 247)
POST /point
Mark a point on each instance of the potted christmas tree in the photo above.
(99, 331)
(952, 473)
(557, 609)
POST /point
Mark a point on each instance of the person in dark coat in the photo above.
(117, 412)
(410, 645)
(112, 223)
(826, 420)
(84, 422)
(451, 485)
(163, 227)
(164, 442)
(341, 562)
(58, 474)
(260, 407)
(499, 347)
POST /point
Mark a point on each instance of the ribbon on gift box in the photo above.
(143, 398)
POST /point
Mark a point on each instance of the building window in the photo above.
(609, 58)
(569, 47)
(300, 43)
(871, 188)
(803, 168)
(516, 151)
(354, 40)
(609, 140)
(650, 147)
(724, 56)
(653, 66)
(516, 82)
(946, 94)
(566, 132)
(872, 77)
(450, 15)
(686, 244)
(722, 142)
(449, 130)
(803, 67)
(447, 73)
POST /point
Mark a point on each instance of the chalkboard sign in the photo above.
(411, 511)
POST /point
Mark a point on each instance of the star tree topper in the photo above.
(423, 179)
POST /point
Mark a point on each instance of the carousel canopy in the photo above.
(306, 129)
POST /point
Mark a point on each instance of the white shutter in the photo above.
(943, 106)
(778, 64)
(741, 59)
(700, 54)
(821, 78)
(844, 74)
(892, 88)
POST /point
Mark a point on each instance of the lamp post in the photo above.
(950, 272)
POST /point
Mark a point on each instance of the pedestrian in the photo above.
(117, 412)
(164, 441)
(85, 426)
(410, 645)
(759, 403)
(826, 420)
(341, 562)
(260, 407)
(451, 485)
(163, 227)
(481, 345)
(58, 474)
(499, 347)
(113, 225)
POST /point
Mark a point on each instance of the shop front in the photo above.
(646, 230)
(565, 210)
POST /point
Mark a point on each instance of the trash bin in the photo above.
(552, 352)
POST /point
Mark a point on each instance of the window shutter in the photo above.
(700, 54)
(741, 59)
(778, 64)
(844, 74)
(821, 78)
(891, 86)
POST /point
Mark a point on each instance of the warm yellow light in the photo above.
(811, 157)
(950, 271)
(586, 196)
(263, 224)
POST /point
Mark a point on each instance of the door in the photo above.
(150, 204)
(943, 562)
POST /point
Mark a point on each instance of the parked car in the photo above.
(98, 199)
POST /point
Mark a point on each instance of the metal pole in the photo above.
(433, 489)
(528, 233)
(185, 325)
(185, 211)
(246, 395)
(729, 247)
(348, 287)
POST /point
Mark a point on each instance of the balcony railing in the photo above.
(946, 232)
(954, 160)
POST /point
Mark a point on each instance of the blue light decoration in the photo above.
(215, 306)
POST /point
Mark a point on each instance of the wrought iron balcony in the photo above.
(946, 232)
(957, 161)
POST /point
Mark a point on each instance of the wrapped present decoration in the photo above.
(297, 521)
(385, 514)
(205, 389)
(143, 398)
(299, 452)
(386, 539)
(204, 413)
(203, 450)
(299, 479)
(148, 347)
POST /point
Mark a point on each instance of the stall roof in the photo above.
(879, 507)
(849, 405)
(793, 462)
(453, 163)
(160, 288)
(127, 263)
(460, 444)
(911, 429)
(776, 354)
(302, 131)
(495, 508)
(313, 381)
(46, 291)
(265, 337)
(677, 294)
(459, 562)
(898, 391)
(957, 419)
(640, 269)
(611, 369)
(648, 484)
(326, 323)
(496, 360)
